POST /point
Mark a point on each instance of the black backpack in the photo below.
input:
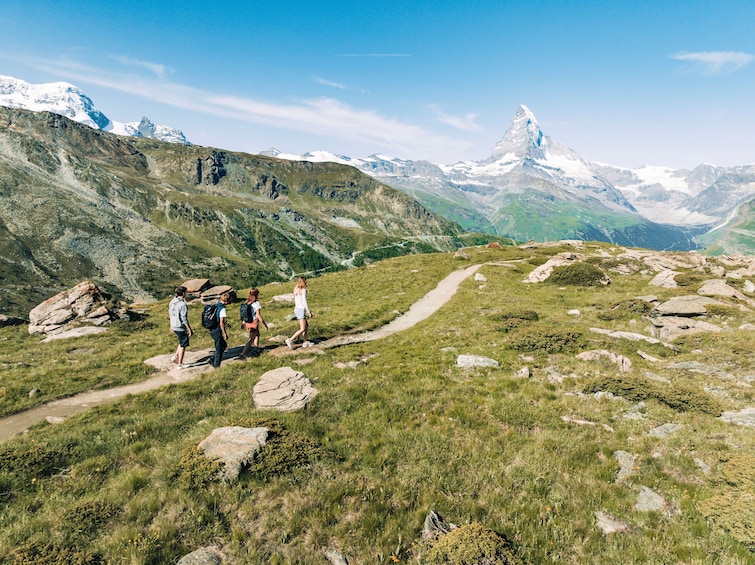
(210, 316)
(246, 312)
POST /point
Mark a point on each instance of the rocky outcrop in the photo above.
(283, 389)
(235, 446)
(83, 304)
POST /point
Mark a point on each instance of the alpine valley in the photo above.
(534, 188)
(138, 215)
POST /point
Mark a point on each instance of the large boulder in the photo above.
(83, 304)
(283, 389)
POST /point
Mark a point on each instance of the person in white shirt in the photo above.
(301, 309)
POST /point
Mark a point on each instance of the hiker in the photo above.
(251, 318)
(219, 333)
(179, 324)
(301, 309)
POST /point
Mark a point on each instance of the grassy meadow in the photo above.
(403, 433)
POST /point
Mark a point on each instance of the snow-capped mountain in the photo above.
(531, 179)
(67, 100)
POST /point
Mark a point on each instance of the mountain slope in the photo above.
(139, 215)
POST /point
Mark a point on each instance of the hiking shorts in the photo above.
(183, 337)
(300, 313)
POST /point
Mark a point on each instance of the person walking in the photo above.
(178, 312)
(301, 309)
(219, 333)
(251, 318)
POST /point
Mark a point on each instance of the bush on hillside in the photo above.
(87, 519)
(733, 510)
(576, 274)
(635, 389)
(626, 310)
(51, 554)
(545, 339)
(517, 318)
(688, 279)
(196, 472)
(283, 451)
(471, 544)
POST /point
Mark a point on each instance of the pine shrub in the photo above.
(576, 274)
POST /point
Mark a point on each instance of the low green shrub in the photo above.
(51, 554)
(283, 451)
(733, 510)
(517, 318)
(196, 472)
(547, 339)
(635, 389)
(688, 279)
(471, 544)
(88, 518)
(576, 274)
(625, 310)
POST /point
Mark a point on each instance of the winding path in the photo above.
(197, 362)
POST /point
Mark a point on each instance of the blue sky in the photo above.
(628, 83)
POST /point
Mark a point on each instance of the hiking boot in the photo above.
(288, 342)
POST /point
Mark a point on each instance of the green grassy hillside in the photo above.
(403, 433)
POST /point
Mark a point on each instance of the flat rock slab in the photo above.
(744, 417)
(235, 446)
(76, 332)
(283, 389)
(466, 361)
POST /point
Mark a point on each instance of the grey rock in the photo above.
(467, 361)
(479, 277)
(610, 525)
(649, 501)
(202, 556)
(704, 467)
(523, 373)
(745, 417)
(283, 389)
(689, 305)
(623, 364)
(82, 304)
(235, 446)
(335, 557)
(664, 279)
(665, 430)
(626, 465)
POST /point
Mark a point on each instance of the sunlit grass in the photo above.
(403, 433)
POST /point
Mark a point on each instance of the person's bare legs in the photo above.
(302, 331)
(179, 356)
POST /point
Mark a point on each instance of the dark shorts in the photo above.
(183, 338)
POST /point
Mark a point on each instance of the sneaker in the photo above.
(181, 366)
(288, 342)
(174, 359)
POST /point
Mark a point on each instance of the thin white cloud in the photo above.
(373, 55)
(156, 68)
(326, 82)
(464, 123)
(716, 62)
(322, 116)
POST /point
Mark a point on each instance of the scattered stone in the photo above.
(462, 255)
(668, 328)
(479, 277)
(576, 313)
(347, 365)
(335, 557)
(664, 279)
(573, 420)
(55, 419)
(466, 361)
(541, 273)
(611, 525)
(202, 556)
(435, 526)
(688, 305)
(704, 467)
(649, 501)
(284, 297)
(283, 389)
(630, 336)
(718, 287)
(647, 356)
(665, 430)
(235, 446)
(604, 394)
(623, 364)
(523, 373)
(747, 327)
(195, 287)
(636, 412)
(34, 392)
(626, 465)
(745, 417)
(748, 287)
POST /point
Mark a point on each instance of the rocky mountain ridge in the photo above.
(136, 216)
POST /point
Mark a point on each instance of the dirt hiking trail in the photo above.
(198, 362)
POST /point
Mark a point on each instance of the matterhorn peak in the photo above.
(522, 140)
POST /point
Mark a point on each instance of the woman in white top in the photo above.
(301, 309)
